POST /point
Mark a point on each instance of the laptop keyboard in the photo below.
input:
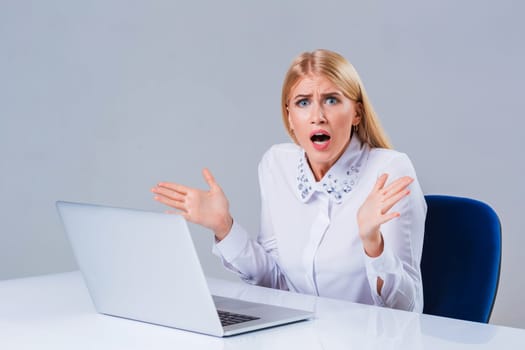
(229, 318)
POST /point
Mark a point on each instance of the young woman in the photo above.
(342, 214)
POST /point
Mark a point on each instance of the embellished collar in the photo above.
(340, 179)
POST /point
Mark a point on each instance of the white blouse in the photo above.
(309, 241)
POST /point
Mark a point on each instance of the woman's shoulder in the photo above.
(383, 159)
(282, 151)
(385, 155)
(281, 156)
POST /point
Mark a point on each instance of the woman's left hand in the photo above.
(375, 211)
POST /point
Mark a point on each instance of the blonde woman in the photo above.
(342, 213)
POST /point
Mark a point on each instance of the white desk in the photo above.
(55, 312)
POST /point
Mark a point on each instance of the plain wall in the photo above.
(100, 100)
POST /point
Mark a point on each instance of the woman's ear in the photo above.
(360, 111)
(290, 124)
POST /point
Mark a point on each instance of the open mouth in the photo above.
(320, 138)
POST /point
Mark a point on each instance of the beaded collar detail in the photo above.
(340, 180)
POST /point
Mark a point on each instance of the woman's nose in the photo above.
(318, 116)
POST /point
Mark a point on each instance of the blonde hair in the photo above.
(340, 72)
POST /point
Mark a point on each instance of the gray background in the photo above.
(99, 100)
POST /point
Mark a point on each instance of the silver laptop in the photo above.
(143, 266)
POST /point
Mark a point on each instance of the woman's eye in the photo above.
(331, 100)
(302, 103)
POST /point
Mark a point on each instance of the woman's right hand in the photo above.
(210, 209)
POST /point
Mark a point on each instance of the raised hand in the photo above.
(210, 208)
(375, 211)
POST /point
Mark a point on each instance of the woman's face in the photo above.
(321, 118)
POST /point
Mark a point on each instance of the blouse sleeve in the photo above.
(399, 264)
(254, 261)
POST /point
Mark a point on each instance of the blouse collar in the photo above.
(340, 179)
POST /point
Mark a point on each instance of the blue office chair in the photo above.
(461, 259)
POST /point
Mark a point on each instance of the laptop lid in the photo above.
(140, 265)
(143, 266)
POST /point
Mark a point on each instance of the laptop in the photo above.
(143, 266)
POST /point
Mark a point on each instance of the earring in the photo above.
(356, 128)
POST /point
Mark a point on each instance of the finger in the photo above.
(381, 180)
(388, 204)
(178, 212)
(397, 186)
(161, 191)
(210, 180)
(387, 217)
(174, 187)
(171, 203)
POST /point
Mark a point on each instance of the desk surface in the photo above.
(55, 312)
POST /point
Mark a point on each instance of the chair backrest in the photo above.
(461, 259)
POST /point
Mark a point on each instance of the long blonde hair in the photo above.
(340, 72)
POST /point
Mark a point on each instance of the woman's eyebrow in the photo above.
(300, 96)
(332, 93)
(323, 95)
